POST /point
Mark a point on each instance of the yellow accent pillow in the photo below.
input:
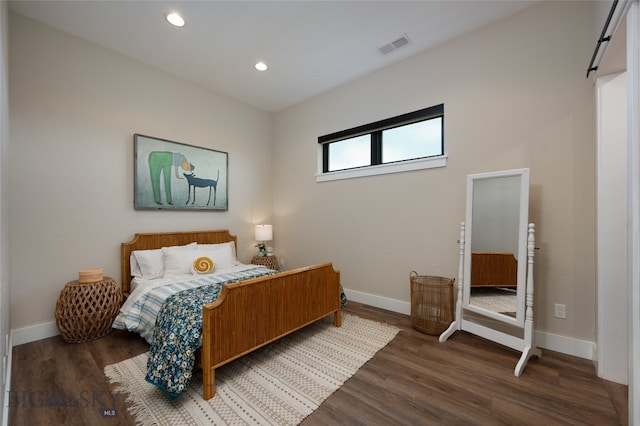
(204, 265)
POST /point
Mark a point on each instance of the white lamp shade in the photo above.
(264, 232)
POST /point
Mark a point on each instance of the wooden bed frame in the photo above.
(252, 313)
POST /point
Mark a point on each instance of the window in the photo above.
(406, 142)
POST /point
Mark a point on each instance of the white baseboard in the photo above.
(379, 301)
(566, 345)
(34, 332)
(19, 337)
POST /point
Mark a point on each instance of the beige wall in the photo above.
(74, 109)
(5, 325)
(515, 95)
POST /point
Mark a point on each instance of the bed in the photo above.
(251, 313)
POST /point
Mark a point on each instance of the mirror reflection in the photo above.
(495, 251)
(495, 242)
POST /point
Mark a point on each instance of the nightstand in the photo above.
(270, 262)
(85, 311)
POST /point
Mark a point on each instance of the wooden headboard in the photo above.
(493, 269)
(149, 241)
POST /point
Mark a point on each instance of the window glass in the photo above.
(417, 140)
(350, 153)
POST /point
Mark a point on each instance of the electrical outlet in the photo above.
(560, 311)
(281, 263)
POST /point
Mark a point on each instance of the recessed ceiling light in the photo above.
(175, 19)
(261, 66)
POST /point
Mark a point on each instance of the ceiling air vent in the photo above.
(394, 45)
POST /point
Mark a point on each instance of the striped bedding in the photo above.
(139, 312)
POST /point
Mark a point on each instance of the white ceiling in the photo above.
(310, 46)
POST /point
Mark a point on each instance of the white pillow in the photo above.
(224, 255)
(150, 263)
(180, 262)
(175, 258)
(134, 268)
(228, 250)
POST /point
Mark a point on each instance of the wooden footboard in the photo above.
(253, 313)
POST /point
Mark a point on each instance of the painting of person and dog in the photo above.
(177, 176)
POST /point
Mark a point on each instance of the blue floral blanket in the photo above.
(177, 335)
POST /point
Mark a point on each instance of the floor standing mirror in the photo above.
(495, 277)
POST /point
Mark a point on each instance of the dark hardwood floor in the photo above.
(414, 380)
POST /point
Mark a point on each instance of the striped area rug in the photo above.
(279, 384)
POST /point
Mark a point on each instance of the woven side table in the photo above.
(85, 311)
(270, 262)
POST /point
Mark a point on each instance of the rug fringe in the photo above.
(141, 412)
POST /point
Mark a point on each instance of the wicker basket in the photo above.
(431, 303)
(85, 311)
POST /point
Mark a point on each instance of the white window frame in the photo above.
(380, 169)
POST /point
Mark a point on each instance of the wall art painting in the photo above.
(175, 176)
